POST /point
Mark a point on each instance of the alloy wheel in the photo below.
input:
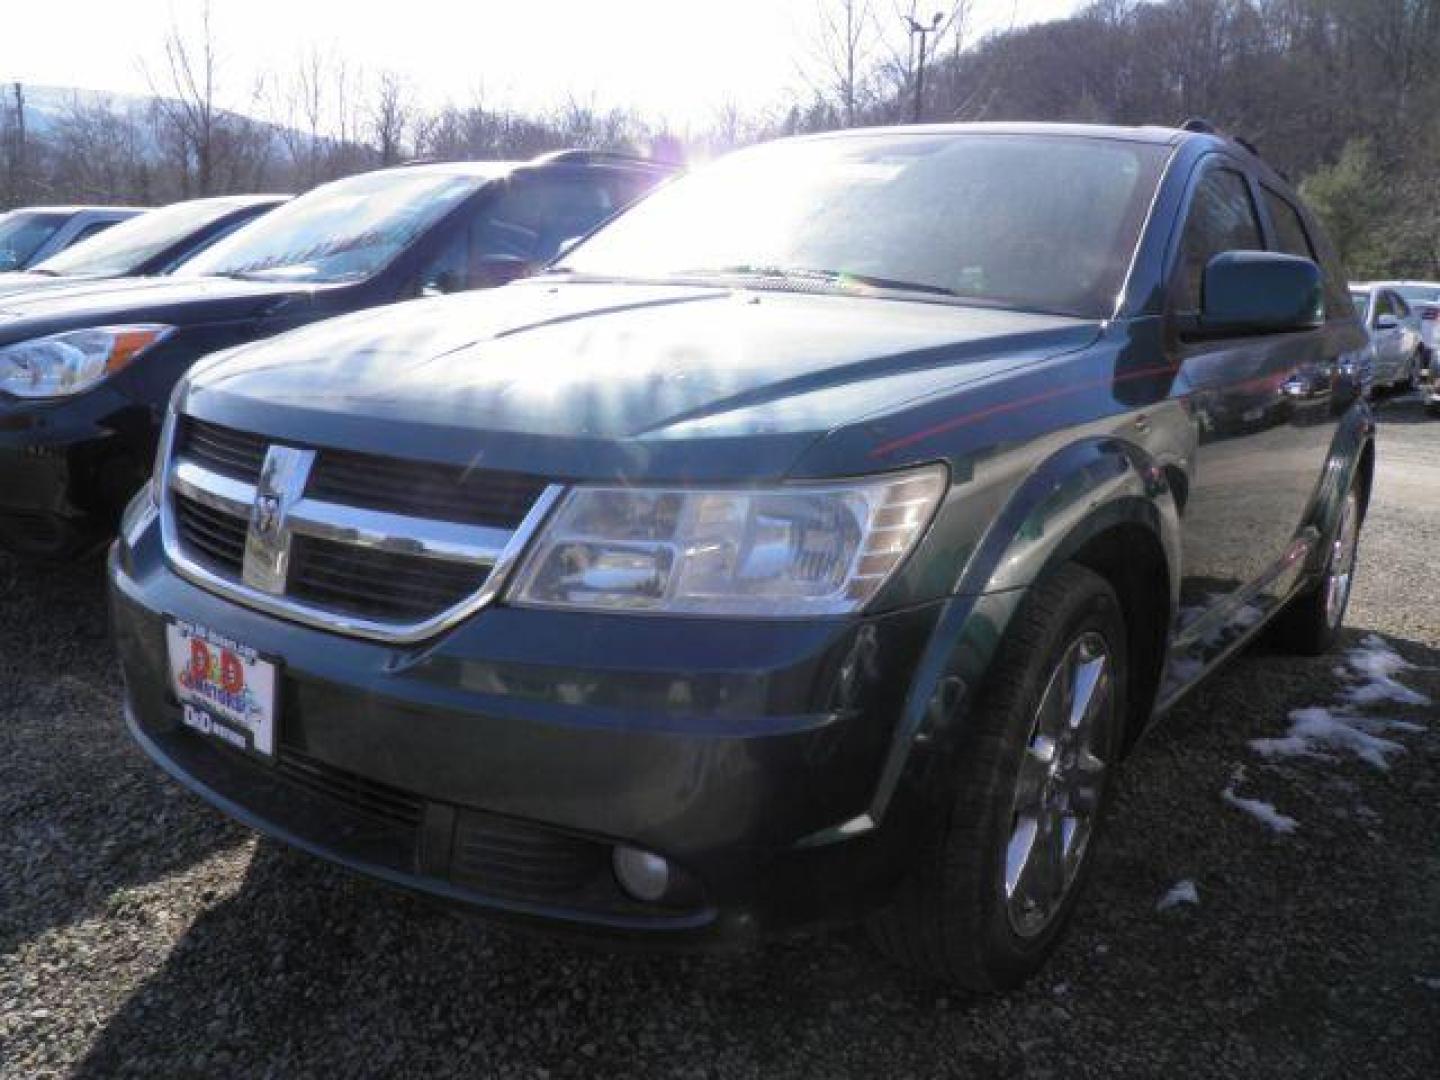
(1059, 785)
(1340, 573)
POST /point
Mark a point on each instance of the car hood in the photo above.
(26, 281)
(604, 369)
(97, 301)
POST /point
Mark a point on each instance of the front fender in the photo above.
(1070, 498)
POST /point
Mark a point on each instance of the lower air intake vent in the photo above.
(367, 797)
(501, 857)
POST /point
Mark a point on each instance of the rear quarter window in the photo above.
(1290, 233)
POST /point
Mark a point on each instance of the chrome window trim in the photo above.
(499, 549)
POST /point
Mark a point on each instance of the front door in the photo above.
(1263, 415)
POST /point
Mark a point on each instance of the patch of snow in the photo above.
(1317, 727)
(1375, 664)
(1182, 892)
(1261, 811)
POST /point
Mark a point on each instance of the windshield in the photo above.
(22, 234)
(345, 231)
(127, 246)
(1027, 221)
(1419, 292)
(1362, 303)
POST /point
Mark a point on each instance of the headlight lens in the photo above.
(820, 549)
(68, 363)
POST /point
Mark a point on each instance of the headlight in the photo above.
(803, 549)
(65, 364)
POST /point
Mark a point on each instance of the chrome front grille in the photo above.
(300, 533)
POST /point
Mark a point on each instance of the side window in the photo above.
(625, 188)
(1402, 309)
(537, 214)
(1289, 229)
(1222, 218)
(87, 231)
(516, 230)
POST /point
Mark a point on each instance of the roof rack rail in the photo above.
(1201, 126)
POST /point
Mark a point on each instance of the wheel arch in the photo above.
(1351, 460)
(1102, 502)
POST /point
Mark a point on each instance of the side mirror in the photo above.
(1259, 292)
(1386, 322)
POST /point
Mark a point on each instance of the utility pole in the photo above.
(17, 158)
(923, 32)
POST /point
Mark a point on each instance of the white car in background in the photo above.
(1425, 297)
(1396, 337)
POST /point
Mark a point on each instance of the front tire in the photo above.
(990, 900)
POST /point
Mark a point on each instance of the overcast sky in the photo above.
(681, 59)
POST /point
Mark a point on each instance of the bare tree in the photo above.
(846, 38)
(391, 116)
(189, 105)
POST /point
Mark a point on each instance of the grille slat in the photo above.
(220, 537)
(365, 581)
(445, 492)
(231, 453)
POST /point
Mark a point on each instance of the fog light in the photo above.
(643, 875)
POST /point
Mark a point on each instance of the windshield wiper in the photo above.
(828, 277)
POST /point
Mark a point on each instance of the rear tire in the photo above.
(988, 902)
(1312, 622)
(1411, 382)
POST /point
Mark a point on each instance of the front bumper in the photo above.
(66, 469)
(498, 764)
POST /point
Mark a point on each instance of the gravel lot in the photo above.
(141, 934)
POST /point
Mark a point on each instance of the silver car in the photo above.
(1396, 337)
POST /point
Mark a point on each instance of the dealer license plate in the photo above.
(225, 689)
